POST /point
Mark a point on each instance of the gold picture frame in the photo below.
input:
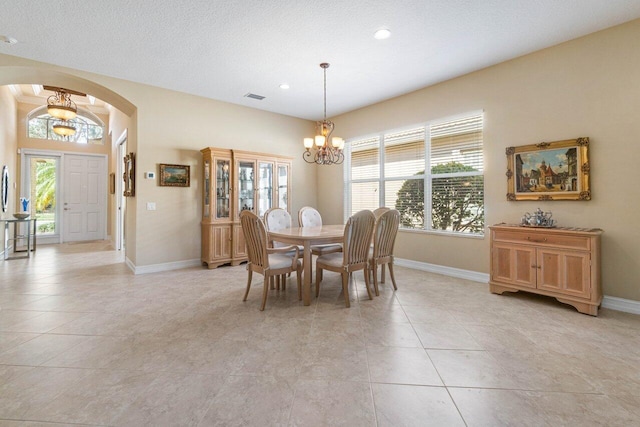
(129, 175)
(556, 170)
(112, 183)
(175, 175)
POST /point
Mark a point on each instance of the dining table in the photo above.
(307, 237)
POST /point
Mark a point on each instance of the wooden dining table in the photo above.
(306, 237)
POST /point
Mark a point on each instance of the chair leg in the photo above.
(318, 280)
(393, 278)
(345, 288)
(246, 294)
(382, 273)
(374, 267)
(284, 282)
(264, 293)
(299, 277)
(272, 282)
(366, 281)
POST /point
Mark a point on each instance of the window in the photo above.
(89, 128)
(433, 175)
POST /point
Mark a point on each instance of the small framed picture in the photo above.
(556, 170)
(174, 175)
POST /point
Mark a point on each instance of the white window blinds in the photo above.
(404, 153)
(456, 143)
(365, 159)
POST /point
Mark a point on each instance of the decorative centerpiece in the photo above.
(24, 203)
(538, 219)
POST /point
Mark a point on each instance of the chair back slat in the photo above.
(255, 235)
(357, 237)
(384, 236)
(309, 217)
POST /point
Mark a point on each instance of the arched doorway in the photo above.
(12, 75)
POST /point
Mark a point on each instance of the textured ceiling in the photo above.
(225, 49)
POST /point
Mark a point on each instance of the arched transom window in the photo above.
(89, 128)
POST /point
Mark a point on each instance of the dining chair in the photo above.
(384, 238)
(380, 211)
(310, 217)
(270, 262)
(355, 255)
(278, 219)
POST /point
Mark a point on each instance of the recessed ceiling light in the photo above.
(382, 34)
(284, 86)
(8, 40)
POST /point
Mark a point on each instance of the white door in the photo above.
(85, 194)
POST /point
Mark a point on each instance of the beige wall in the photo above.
(586, 87)
(171, 127)
(8, 148)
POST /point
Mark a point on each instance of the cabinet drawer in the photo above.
(543, 239)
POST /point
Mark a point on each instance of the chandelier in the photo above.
(61, 107)
(326, 150)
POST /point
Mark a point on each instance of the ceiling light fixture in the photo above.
(284, 86)
(61, 106)
(326, 153)
(64, 128)
(8, 39)
(382, 33)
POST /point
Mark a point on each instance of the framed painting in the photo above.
(174, 175)
(129, 175)
(556, 170)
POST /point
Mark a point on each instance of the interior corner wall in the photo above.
(9, 146)
(585, 87)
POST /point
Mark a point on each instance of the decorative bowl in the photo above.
(21, 215)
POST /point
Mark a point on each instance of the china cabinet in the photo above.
(559, 262)
(235, 181)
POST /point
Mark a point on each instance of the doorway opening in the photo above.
(43, 186)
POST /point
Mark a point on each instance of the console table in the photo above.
(561, 262)
(30, 232)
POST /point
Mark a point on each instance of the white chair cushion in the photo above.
(310, 218)
(277, 261)
(334, 260)
(325, 249)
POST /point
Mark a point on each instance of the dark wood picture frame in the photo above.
(174, 175)
(129, 175)
(556, 170)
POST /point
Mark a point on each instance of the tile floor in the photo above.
(84, 341)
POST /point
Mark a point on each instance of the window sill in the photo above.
(443, 233)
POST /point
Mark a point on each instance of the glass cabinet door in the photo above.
(246, 189)
(265, 187)
(283, 187)
(207, 188)
(222, 188)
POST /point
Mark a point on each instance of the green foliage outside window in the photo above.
(457, 202)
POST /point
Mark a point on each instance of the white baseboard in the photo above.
(167, 266)
(621, 304)
(613, 303)
(441, 269)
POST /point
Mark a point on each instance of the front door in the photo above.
(84, 212)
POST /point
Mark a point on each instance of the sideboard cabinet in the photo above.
(563, 263)
(234, 181)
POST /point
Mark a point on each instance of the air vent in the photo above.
(254, 96)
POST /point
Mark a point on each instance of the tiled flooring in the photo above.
(84, 341)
